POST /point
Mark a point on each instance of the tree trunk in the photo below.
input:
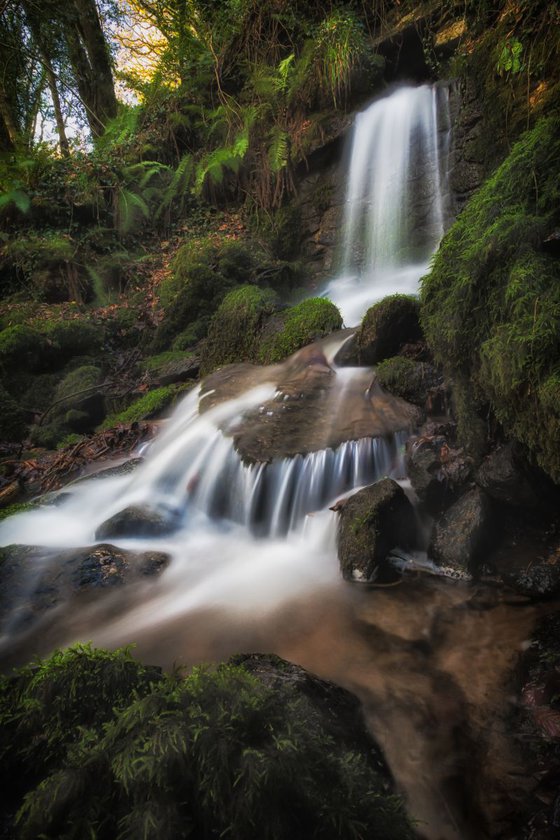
(10, 133)
(91, 62)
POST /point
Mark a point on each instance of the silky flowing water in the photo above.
(253, 546)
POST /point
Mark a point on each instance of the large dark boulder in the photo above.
(372, 522)
(505, 477)
(461, 536)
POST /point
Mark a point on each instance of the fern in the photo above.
(129, 206)
(279, 149)
(18, 197)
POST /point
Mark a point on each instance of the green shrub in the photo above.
(300, 325)
(235, 329)
(112, 750)
(491, 304)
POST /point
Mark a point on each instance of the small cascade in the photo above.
(396, 206)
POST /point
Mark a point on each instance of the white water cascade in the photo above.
(395, 208)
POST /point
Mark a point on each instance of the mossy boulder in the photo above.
(78, 406)
(236, 329)
(491, 304)
(67, 339)
(172, 366)
(386, 327)
(97, 744)
(416, 382)
(372, 522)
(203, 272)
(296, 327)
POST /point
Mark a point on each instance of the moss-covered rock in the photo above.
(385, 328)
(104, 746)
(373, 521)
(22, 348)
(413, 381)
(172, 366)
(491, 304)
(204, 271)
(66, 339)
(235, 330)
(78, 406)
(298, 326)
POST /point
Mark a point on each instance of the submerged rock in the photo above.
(136, 521)
(461, 535)
(372, 522)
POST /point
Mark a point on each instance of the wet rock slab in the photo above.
(460, 537)
(136, 521)
(314, 408)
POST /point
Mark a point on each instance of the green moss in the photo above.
(300, 325)
(406, 378)
(148, 406)
(104, 747)
(22, 348)
(491, 304)
(67, 339)
(235, 329)
(17, 507)
(204, 271)
(155, 363)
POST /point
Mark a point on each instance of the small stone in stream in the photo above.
(136, 521)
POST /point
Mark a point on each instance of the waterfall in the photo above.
(395, 208)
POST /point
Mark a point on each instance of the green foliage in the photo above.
(491, 304)
(145, 407)
(205, 269)
(295, 327)
(510, 58)
(112, 750)
(236, 329)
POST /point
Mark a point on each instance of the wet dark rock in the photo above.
(298, 419)
(136, 521)
(34, 579)
(340, 711)
(386, 327)
(505, 477)
(461, 536)
(372, 523)
(417, 382)
(125, 468)
(436, 471)
(537, 580)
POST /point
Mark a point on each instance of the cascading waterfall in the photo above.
(395, 208)
(253, 546)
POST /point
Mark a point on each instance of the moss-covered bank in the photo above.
(491, 304)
